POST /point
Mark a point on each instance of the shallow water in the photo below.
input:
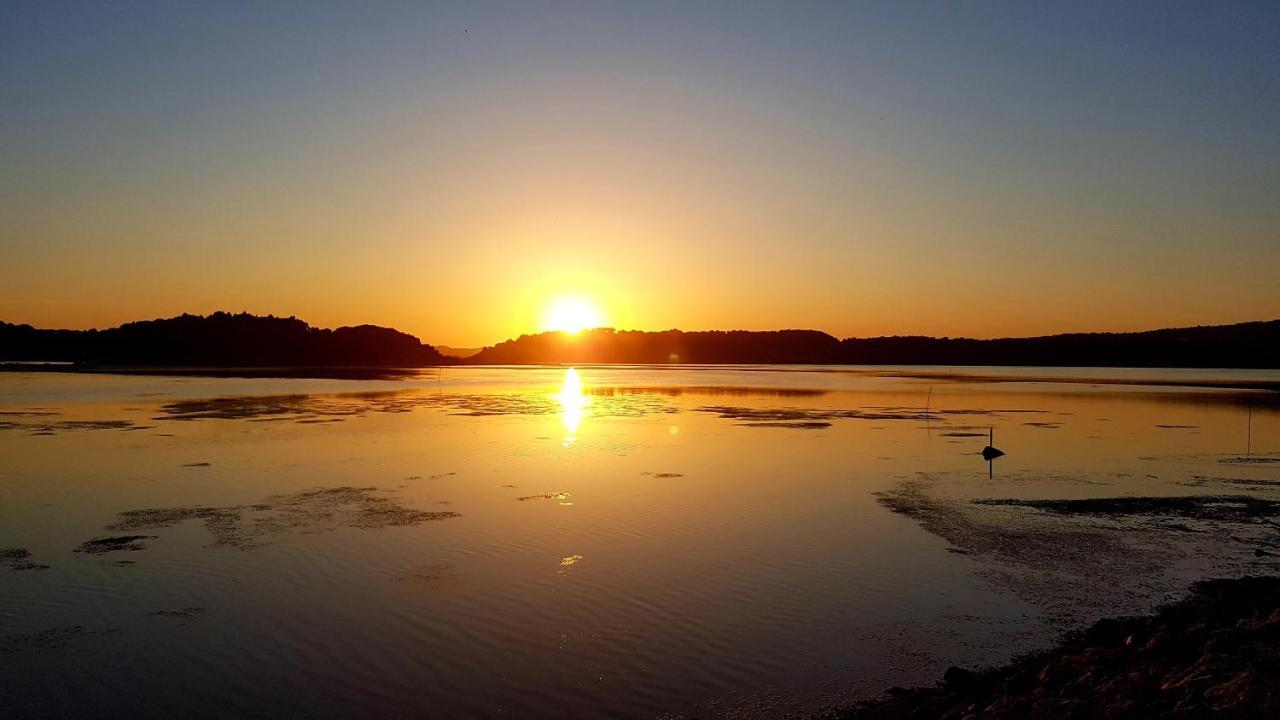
(599, 542)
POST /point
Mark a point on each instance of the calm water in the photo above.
(597, 542)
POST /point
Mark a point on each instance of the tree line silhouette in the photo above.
(1245, 345)
(219, 340)
(244, 340)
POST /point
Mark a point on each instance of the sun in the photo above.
(572, 315)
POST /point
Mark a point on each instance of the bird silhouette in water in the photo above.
(990, 452)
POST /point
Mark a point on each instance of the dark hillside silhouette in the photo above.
(219, 340)
(457, 352)
(606, 345)
(226, 340)
(1246, 345)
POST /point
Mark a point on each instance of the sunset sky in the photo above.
(455, 170)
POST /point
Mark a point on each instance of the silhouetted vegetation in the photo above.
(606, 345)
(226, 340)
(1246, 345)
(219, 340)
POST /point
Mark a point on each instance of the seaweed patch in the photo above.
(114, 543)
(18, 559)
(310, 511)
(55, 638)
(441, 576)
(558, 495)
(184, 616)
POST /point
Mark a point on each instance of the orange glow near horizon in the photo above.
(864, 171)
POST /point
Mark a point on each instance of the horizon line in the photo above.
(665, 330)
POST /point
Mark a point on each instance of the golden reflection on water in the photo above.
(573, 404)
(567, 563)
(1063, 442)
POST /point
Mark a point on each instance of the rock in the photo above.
(1020, 682)
(1107, 631)
(961, 681)
(1158, 642)
(1214, 654)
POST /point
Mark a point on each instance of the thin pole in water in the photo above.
(1248, 443)
(928, 428)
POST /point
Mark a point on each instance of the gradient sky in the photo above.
(863, 168)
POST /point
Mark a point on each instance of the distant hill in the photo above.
(457, 352)
(219, 340)
(1245, 345)
(240, 341)
(606, 345)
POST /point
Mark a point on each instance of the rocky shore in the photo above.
(1215, 653)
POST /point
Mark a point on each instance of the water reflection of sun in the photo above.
(573, 404)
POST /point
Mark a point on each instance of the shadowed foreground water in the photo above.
(597, 542)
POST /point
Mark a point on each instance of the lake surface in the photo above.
(631, 542)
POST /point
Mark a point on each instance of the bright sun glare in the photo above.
(572, 316)
(573, 404)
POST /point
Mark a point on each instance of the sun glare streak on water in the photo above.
(573, 405)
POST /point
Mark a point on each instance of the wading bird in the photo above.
(990, 452)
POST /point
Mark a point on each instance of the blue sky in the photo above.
(867, 167)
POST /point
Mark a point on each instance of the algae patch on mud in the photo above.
(798, 417)
(41, 426)
(183, 616)
(1249, 483)
(311, 409)
(441, 576)
(1250, 460)
(114, 543)
(1083, 559)
(310, 511)
(558, 495)
(1228, 508)
(18, 559)
(821, 418)
(55, 638)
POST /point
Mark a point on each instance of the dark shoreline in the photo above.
(1215, 653)
(318, 372)
(244, 340)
